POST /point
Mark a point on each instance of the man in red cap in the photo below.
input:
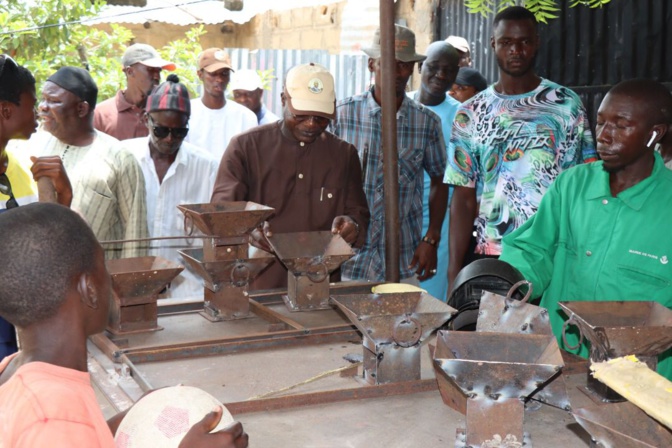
(214, 119)
(309, 176)
(121, 116)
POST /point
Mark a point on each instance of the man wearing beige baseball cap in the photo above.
(309, 176)
(462, 46)
(121, 116)
(214, 120)
(421, 147)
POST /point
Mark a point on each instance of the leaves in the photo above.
(543, 10)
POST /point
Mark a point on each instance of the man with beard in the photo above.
(107, 183)
(121, 116)
(175, 172)
(421, 148)
(601, 229)
(214, 120)
(512, 140)
(437, 74)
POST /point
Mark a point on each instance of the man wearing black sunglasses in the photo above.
(108, 186)
(17, 173)
(311, 178)
(176, 172)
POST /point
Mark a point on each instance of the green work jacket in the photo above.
(585, 244)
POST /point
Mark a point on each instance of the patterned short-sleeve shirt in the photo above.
(513, 147)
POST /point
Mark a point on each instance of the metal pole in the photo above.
(389, 140)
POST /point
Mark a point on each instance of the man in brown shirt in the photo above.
(121, 115)
(310, 177)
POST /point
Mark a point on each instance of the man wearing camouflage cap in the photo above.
(121, 116)
(421, 146)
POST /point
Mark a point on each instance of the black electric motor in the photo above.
(487, 274)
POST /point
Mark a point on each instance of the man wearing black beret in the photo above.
(107, 182)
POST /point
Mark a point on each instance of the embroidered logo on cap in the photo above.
(221, 55)
(664, 259)
(315, 85)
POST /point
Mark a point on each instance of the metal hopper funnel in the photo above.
(393, 327)
(226, 281)
(229, 222)
(496, 371)
(137, 283)
(622, 425)
(309, 257)
(620, 328)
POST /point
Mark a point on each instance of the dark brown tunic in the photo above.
(308, 186)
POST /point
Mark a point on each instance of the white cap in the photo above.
(246, 80)
(460, 43)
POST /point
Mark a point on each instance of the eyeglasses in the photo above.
(321, 121)
(163, 131)
(5, 60)
(6, 189)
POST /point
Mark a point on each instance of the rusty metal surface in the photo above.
(620, 328)
(496, 372)
(225, 219)
(238, 272)
(378, 316)
(622, 425)
(505, 315)
(309, 258)
(394, 326)
(333, 396)
(136, 283)
(301, 252)
(289, 338)
(486, 417)
(497, 364)
(141, 276)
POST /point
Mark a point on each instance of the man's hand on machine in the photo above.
(346, 227)
(259, 237)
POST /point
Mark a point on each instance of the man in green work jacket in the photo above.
(602, 231)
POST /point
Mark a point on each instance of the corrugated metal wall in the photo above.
(351, 73)
(586, 49)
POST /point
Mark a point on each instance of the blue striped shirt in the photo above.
(420, 145)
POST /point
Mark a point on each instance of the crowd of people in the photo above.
(508, 169)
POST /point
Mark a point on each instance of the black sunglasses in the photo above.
(6, 189)
(163, 131)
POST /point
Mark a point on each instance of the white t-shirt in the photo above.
(189, 180)
(212, 129)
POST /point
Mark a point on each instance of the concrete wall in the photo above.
(297, 29)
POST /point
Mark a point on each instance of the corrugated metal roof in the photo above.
(191, 12)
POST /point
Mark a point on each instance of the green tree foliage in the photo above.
(544, 10)
(44, 35)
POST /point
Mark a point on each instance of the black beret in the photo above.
(78, 81)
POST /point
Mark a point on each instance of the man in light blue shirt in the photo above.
(437, 74)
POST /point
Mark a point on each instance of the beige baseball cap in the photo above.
(310, 91)
(146, 55)
(460, 43)
(214, 59)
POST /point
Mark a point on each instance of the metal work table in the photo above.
(336, 410)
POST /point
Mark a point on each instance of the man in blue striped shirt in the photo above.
(421, 147)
